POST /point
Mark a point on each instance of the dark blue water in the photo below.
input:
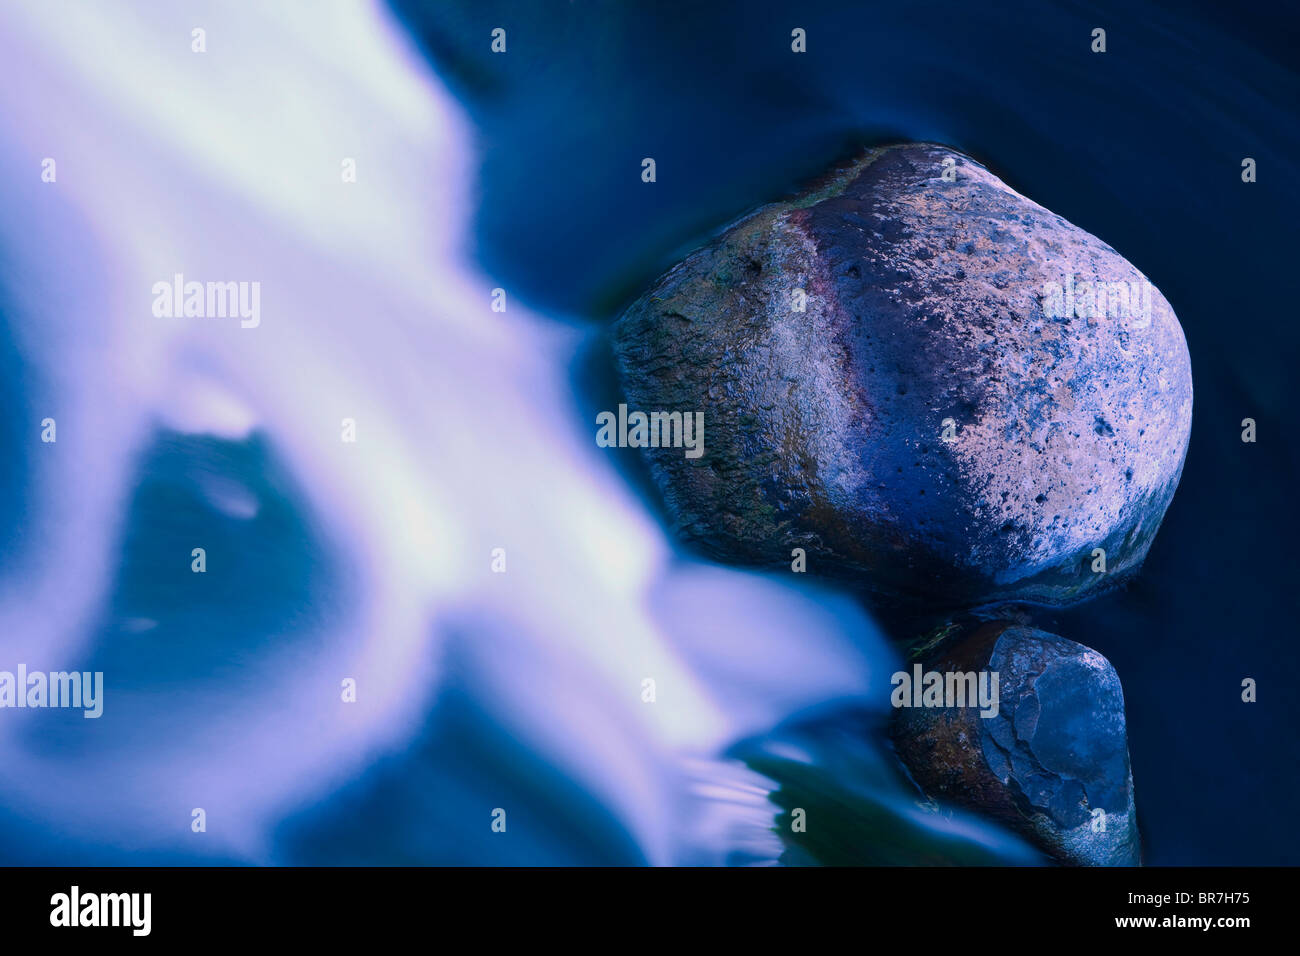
(1141, 145)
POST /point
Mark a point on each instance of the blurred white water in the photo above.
(225, 166)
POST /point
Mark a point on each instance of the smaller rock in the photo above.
(1054, 753)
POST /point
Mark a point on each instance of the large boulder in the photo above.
(907, 372)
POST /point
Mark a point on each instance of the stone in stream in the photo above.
(908, 371)
(1053, 754)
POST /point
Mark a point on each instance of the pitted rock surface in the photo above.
(923, 300)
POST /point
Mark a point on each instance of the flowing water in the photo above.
(327, 559)
(371, 560)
